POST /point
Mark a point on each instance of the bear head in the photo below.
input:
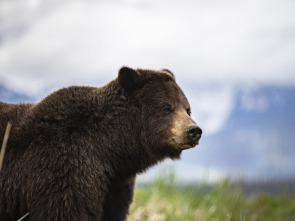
(163, 111)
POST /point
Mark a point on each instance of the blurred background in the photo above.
(235, 61)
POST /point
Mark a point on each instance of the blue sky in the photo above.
(213, 47)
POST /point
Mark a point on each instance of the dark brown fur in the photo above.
(75, 154)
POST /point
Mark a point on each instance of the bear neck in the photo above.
(128, 150)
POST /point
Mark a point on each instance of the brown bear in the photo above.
(75, 154)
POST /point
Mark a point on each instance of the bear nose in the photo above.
(194, 133)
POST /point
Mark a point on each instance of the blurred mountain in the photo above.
(258, 140)
(256, 143)
(10, 96)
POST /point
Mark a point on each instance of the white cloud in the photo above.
(47, 44)
(211, 105)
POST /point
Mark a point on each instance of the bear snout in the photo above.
(193, 134)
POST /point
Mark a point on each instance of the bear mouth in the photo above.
(191, 144)
(186, 145)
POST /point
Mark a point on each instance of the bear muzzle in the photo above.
(193, 133)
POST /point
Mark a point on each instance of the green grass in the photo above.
(164, 200)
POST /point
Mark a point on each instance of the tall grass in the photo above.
(164, 200)
(4, 143)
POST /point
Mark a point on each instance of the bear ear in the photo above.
(129, 78)
(168, 72)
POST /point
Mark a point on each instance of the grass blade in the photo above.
(4, 143)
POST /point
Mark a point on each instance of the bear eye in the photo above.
(167, 109)
(188, 111)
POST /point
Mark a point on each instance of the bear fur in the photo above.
(75, 154)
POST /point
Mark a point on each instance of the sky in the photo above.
(213, 47)
(46, 44)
